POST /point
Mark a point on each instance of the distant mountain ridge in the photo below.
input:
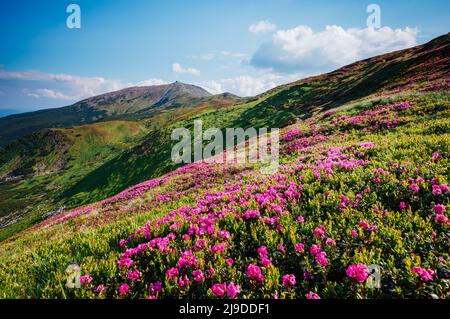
(128, 103)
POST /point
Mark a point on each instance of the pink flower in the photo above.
(184, 281)
(289, 281)
(359, 272)
(201, 243)
(100, 288)
(254, 273)
(312, 295)
(436, 190)
(172, 272)
(319, 232)
(425, 274)
(321, 258)
(314, 250)
(266, 262)
(364, 225)
(133, 275)
(300, 219)
(122, 242)
(435, 156)
(219, 289)
(414, 187)
(330, 242)
(402, 205)
(155, 287)
(233, 290)
(439, 208)
(187, 259)
(124, 289)
(85, 279)
(299, 247)
(212, 271)
(354, 233)
(251, 214)
(229, 261)
(125, 262)
(441, 218)
(198, 275)
(262, 251)
(281, 248)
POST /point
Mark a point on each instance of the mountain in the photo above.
(27, 171)
(129, 103)
(6, 112)
(363, 183)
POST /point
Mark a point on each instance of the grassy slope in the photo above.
(412, 68)
(68, 156)
(54, 160)
(33, 263)
(281, 106)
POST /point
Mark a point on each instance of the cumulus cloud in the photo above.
(301, 48)
(177, 68)
(249, 85)
(150, 82)
(65, 87)
(47, 93)
(202, 56)
(261, 27)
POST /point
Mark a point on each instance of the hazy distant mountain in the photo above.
(6, 112)
(133, 102)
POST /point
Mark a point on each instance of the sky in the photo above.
(241, 46)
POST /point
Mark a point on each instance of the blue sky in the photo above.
(244, 46)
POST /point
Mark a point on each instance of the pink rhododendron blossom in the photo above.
(233, 290)
(414, 187)
(359, 272)
(425, 274)
(133, 275)
(85, 279)
(312, 295)
(219, 290)
(172, 272)
(155, 287)
(319, 232)
(288, 281)
(254, 273)
(299, 247)
(441, 218)
(124, 289)
(198, 275)
(439, 208)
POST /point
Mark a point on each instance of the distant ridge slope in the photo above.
(125, 103)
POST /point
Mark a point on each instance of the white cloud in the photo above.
(60, 86)
(203, 56)
(301, 48)
(177, 68)
(233, 54)
(247, 85)
(261, 27)
(47, 93)
(150, 82)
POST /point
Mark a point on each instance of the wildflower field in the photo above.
(365, 183)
